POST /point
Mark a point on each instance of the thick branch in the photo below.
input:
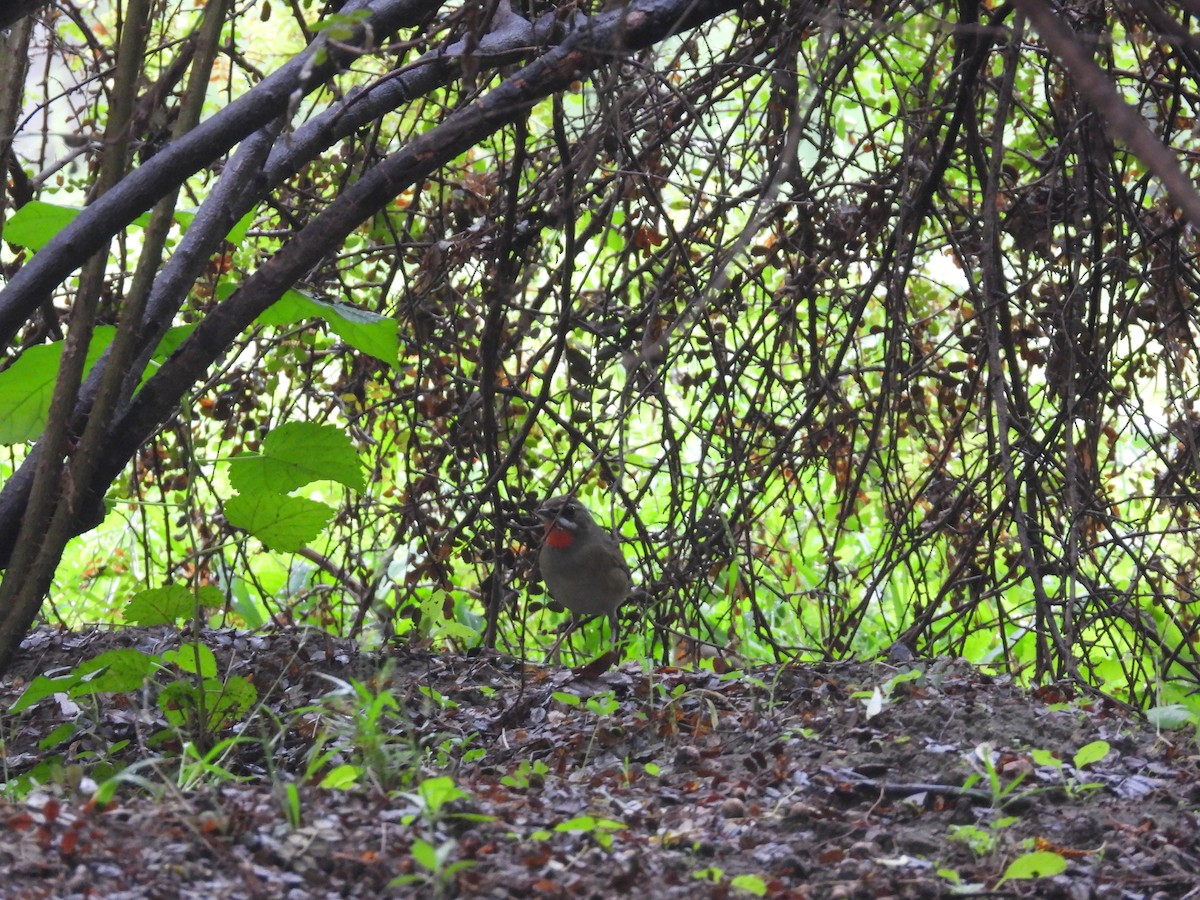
(91, 230)
(18, 9)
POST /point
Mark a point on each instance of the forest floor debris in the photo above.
(834, 780)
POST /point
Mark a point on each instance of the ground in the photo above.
(923, 779)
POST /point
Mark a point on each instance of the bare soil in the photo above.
(822, 781)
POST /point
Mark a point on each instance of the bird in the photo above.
(582, 565)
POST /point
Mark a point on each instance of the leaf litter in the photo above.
(424, 774)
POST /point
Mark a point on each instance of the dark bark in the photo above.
(13, 10)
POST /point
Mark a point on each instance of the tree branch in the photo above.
(173, 165)
(1124, 122)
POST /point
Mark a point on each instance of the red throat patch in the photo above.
(558, 538)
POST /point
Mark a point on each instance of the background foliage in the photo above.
(859, 323)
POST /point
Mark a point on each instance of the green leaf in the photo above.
(424, 854)
(179, 702)
(195, 658)
(437, 697)
(291, 804)
(589, 823)
(373, 334)
(222, 703)
(166, 605)
(36, 223)
(342, 777)
(113, 671)
(237, 233)
(455, 631)
(297, 454)
(27, 385)
(903, 677)
(244, 604)
(751, 884)
(341, 26)
(1168, 718)
(1041, 864)
(950, 875)
(229, 702)
(282, 523)
(42, 687)
(1090, 753)
(437, 792)
(63, 732)
(1045, 758)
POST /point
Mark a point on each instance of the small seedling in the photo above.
(983, 761)
(1073, 783)
(600, 829)
(981, 841)
(750, 884)
(526, 773)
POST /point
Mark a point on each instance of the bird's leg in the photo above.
(614, 630)
(574, 623)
